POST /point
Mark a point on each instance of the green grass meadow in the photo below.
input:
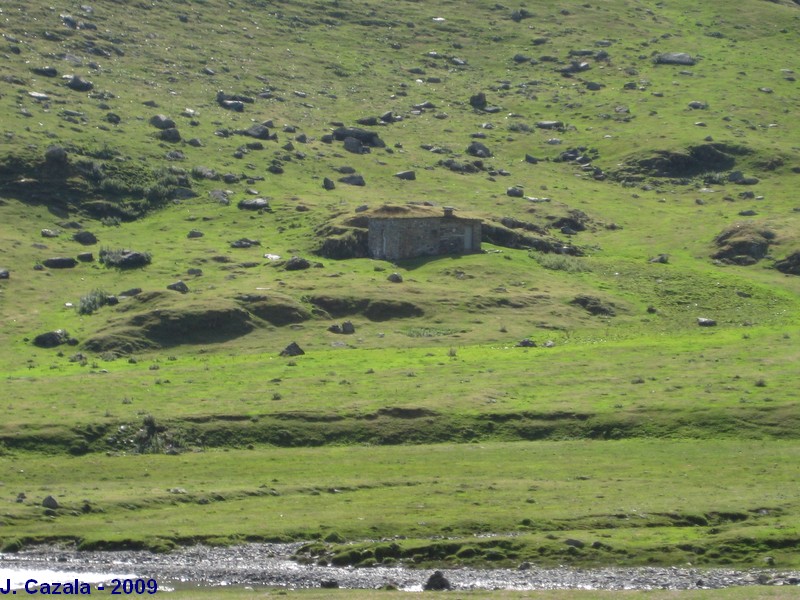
(431, 436)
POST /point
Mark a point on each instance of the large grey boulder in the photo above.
(675, 58)
(51, 339)
(60, 262)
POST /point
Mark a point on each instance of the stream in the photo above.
(270, 565)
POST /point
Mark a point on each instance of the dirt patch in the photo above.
(743, 243)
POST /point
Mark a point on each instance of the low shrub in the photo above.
(92, 302)
(561, 262)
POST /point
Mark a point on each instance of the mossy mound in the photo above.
(275, 309)
(374, 309)
(191, 323)
(743, 243)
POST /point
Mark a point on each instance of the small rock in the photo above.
(162, 122)
(526, 343)
(437, 582)
(292, 349)
(574, 543)
(5, 274)
(515, 192)
(661, 258)
(50, 502)
(245, 243)
(194, 233)
(254, 204)
(479, 150)
(86, 257)
(49, 233)
(354, 179)
(675, 58)
(178, 286)
(703, 322)
(406, 175)
(56, 155)
(348, 328)
(171, 135)
(395, 278)
(51, 339)
(297, 263)
(87, 238)
(79, 84)
(60, 262)
(328, 184)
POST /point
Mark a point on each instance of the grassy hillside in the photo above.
(640, 177)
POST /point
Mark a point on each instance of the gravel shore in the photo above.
(270, 565)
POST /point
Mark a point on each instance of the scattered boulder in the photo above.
(437, 582)
(406, 175)
(87, 238)
(292, 349)
(254, 204)
(124, 259)
(178, 286)
(5, 274)
(675, 58)
(49, 233)
(526, 343)
(697, 105)
(594, 305)
(259, 132)
(245, 243)
(297, 263)
(789, 265)
(45, 71)
(171, 135)
(395, 278)
(60, 262)
(478, 149)
(660, 259)
(348, 328)
(515, 192)
(86, 257)
(704, 322)
(51, 339)
(50, 502)
(79, 84)
(478, 101)
(367, 138)
(162, 122)
(328, 184)
(194, 234)
(354, 179)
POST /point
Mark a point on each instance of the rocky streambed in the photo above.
(271, 565)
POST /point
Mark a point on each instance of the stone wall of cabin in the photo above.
(410, 237)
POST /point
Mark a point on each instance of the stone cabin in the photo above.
(401, 237)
